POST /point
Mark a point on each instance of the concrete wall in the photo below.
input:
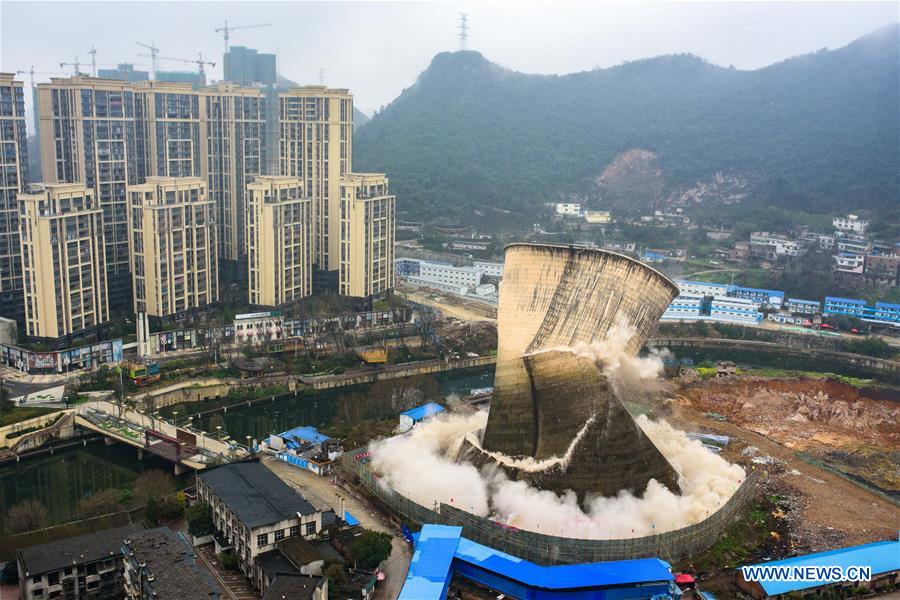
(37, 438)
(558, 296)
(549, 549)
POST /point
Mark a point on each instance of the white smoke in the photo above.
(422, 466)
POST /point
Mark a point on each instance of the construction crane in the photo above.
(199, 61)
(226, 30)
(31, 73)
(93, 53)
(154, 57)
(75, 64)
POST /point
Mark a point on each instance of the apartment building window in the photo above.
(311, 528)
(294, 530)
(279, 535)
(262, 539)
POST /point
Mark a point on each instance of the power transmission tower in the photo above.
(463, 31)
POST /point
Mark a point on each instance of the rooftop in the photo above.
(307, 434)
(171, 562)
(845, 300)
(430, 569)
(255, 494)
(424, 411)
(293, 587)
(91, 547)
(882, 557)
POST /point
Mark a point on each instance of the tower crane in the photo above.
(154, 57)
(93, 53)
(226, 30)
(76, 65)
(31, 73)
(199, 61)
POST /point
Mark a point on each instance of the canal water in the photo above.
(61, 480)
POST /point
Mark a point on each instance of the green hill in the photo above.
(817, 132)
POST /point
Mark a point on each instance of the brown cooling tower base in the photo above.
(579, 416)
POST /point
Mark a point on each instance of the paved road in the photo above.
(320, 490)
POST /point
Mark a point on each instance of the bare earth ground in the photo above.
(769, 420)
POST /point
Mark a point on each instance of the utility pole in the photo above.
(463, 31)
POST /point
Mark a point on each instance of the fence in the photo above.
(548, 549)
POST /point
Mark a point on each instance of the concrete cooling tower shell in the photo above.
(555, 297)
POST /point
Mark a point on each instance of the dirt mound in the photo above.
(827, 419)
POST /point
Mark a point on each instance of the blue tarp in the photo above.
(307, 434)
(424, 411)
(587, 575)
(882, 557)
(429, 571)
(350, 519)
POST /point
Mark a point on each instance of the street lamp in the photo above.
(248, 443)
(219, 432)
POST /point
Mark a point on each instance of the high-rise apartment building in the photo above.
(13, 177)
(279, 253)
(367, 224)
(111, 133)
(234, 125)
(247, 66)
(316, 131)
(173, 246)
(63, 262)
(88, 136)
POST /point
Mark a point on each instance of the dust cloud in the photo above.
(422, 466)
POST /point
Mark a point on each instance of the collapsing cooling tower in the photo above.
(555, 297)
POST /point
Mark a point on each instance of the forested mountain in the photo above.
(817, 132)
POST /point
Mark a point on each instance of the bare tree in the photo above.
(153, 485)
(27, 515)
(427, 318)
(102, 502)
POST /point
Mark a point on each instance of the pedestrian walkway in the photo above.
(233, 584)
(7, 372)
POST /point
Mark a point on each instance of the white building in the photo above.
(597, 217)
(255, 328)
(702, 288)
(443, 273)
(450, 288)
(851, 223)
(568, 209)
(491, 269)
(778, 245)
(253, 510)
(848, 262)
(735, 310)
(853, 244)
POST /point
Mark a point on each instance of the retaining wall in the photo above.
(324, 382)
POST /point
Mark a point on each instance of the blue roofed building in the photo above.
(882, 313)
(882, 557)
(409, 418)
(796, 306)
(774, 298)
(441, 552)
(430, 571)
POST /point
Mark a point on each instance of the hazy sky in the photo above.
(378, 48)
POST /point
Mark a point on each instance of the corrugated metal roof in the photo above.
(587, 575)
(882, 557)
(307, 434)
(844, 300)
(429, 571)
(421, 412)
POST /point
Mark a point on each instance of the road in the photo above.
(321, 491)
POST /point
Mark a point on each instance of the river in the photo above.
(63, 479)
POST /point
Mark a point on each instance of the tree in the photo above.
(102, 502)
(370, 549)
(153, 485)
(27, 515)
(200, 519)
(6, 402)
(337, 578)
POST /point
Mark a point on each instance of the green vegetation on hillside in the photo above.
(473, 142)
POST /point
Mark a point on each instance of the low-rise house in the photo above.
(294, 586)
(85, 566)
(157, 564)
(254, 510)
